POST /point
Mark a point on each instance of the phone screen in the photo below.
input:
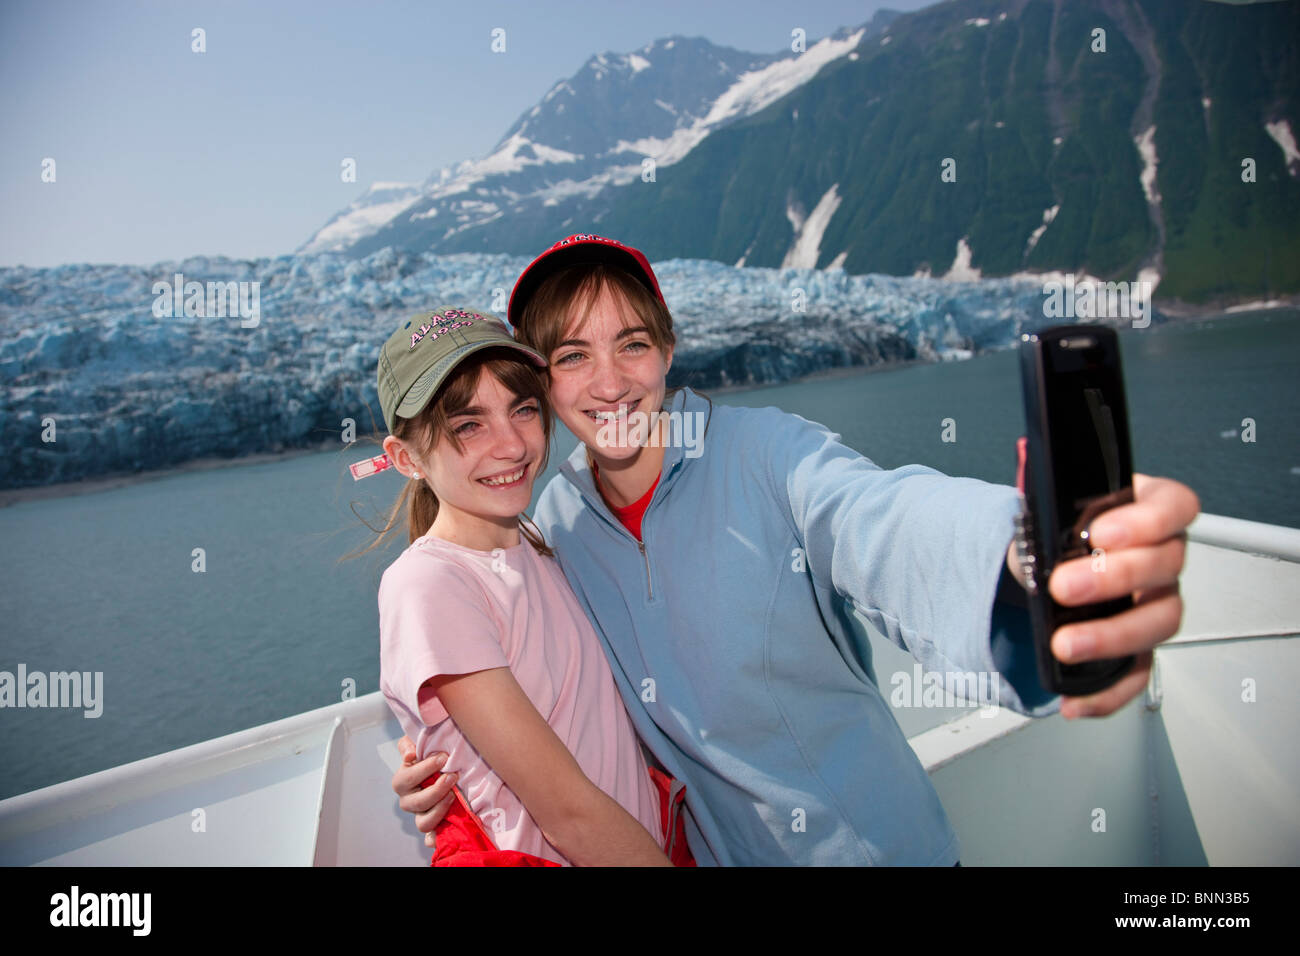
(1088, 434)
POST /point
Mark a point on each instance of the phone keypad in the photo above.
(1024, 523)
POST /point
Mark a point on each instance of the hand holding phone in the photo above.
(1078, 465)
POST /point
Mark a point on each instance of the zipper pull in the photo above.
(650, 591)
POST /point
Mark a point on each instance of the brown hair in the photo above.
(546, 316)
(430, 426)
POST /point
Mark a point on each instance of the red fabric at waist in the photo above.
(463, 840)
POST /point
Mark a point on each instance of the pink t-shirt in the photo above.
(446, 609)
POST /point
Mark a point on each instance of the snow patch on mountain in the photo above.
(1146, 147)
(752, 91)
(381, 203)
(961, 270)
(1048, 215)
(758, 89)
(513, 155)
(385, 202)
(556, 193)
(795, 214)
(806, 247)
(556, 90)
(1281, 133)
(1150, 276)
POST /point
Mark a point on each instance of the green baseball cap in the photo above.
(419, 356)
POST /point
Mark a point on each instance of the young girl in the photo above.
(485, 654)
(736, 574)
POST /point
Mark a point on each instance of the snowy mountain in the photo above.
(363, 216)
(595, 130)
(1140, 140)
(131, 383)
(1146, 139)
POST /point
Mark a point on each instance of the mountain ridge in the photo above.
(549, 160)
(1121, 156)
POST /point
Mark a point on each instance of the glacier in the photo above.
(85, 362)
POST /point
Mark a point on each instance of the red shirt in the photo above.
(630, 517)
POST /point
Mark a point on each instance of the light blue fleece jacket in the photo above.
(732, 640)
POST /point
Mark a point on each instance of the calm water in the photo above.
(275, 626)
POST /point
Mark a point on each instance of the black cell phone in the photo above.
(1078, 464)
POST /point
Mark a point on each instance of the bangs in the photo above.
(547, 321)
(517, 375)
(587, 292)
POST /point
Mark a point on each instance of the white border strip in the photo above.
(945, 743)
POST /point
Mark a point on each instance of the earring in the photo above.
(416, 475)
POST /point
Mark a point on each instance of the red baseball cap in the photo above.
(582, 249)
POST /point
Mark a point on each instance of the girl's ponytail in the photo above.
(422, 510)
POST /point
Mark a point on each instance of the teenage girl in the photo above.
(735, 581)
(485, 654)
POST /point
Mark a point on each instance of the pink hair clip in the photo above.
(371, 466)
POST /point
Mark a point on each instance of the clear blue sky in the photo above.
(163, 153)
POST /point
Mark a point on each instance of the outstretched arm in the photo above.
(916, 553)
(920, 554)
